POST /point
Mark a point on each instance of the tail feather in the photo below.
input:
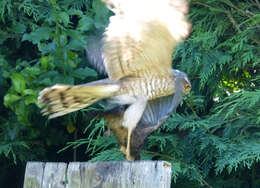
(63, 99)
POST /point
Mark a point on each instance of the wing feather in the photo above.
(94, 53)
(142, 35)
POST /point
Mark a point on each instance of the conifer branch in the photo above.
(200, 3)
(237, 8)
(257, 3)
(195, 113)
(233, 21)
(183, 163)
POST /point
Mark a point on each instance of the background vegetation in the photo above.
(212, 141)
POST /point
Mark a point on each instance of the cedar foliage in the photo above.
(213, 139)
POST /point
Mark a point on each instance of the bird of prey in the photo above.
(157, 111)
(137, 48)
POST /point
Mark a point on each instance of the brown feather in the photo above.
(63, 99)
(142, 38)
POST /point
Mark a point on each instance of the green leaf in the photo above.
(82, 73)
(64, 18)
(4, 36)
(9, 99)
(42, 33)
(29, 92)
(30, 100)
(32, 71)
(22, 111)
(100, 8)
(44, 62)
(78, 41)
(73, 12)
(18, 27)
(61, 79)
(101, 17)
(86, 23)
(49, 75)
(48, 48)
(18, 82)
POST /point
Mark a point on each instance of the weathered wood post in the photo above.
(140, 174)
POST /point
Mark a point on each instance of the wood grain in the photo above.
(139, 174)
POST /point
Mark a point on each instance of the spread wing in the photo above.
(158, 110)
(141, 36)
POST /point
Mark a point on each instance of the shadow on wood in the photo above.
(140, 174)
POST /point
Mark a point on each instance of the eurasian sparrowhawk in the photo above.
(137, 50)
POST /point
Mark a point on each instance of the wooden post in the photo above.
(138, 174)
(45, 175)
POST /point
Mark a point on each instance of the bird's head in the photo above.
(181, 81)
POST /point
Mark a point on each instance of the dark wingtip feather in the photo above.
(94, 52)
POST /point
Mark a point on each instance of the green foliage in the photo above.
(42, 43)
(212, 141)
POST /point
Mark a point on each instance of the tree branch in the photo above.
(233, 21)
(257, 3)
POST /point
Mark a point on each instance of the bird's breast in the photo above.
(150, 87)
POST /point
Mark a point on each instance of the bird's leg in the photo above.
(132, 116)
(128, 146)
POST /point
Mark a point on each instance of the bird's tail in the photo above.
(59, 99)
